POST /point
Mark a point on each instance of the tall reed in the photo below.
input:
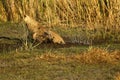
(67, 12)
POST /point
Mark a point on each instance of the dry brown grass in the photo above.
(68, 12)
(117, 77)
(97, 55)
(80, 12)
(91, 15)
(94, 64)
(93, 56)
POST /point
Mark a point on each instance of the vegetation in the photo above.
(117, 77)
(54, 64)
(94, 13)
(98, 20)
(90, 28)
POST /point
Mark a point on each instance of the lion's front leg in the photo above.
(38, 38)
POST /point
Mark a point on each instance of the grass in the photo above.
(76, 21)
(93, 64)
(61, 63)
(75, 35)
(13, 30)
(117, 77)
(68, 13)
(84, 35)
(58, 62)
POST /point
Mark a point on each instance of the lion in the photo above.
(55, 37)
(41, 37)
(31, 23)
(48, 36)
(42, 34)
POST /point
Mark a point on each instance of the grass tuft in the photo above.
(117, 77)
(92, 56)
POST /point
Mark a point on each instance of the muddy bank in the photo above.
(13, 36)
(6, 47)
(9, 45)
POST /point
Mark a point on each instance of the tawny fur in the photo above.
(55, 38)
(41, 33)
(41, 36)
(31, 23)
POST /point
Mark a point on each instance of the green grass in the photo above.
(62, 63)
(58, 62)
(42, 66)
(92, 20)
(13, 31)
(99, 35)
